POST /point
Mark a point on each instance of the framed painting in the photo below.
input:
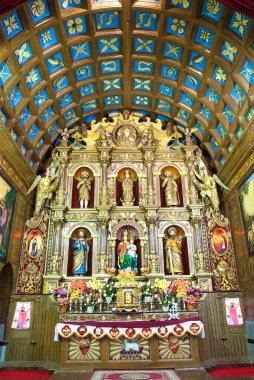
(246, 194)
(7, 202)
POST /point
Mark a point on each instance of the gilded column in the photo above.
(56, 258)
(102, 257)
(198, 245)
(153, 255)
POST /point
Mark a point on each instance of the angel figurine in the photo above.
(188, 132)
(207, 187)
(46, 186)
(65, 134)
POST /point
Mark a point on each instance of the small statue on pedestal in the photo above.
(174, 252)
(80, 254)
(127, 186)
(171, 190)
(84, 187)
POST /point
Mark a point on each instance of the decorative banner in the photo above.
(22, 316)
(33, 256)
(145, 329)
(233, 312)
(7, 201)
(221, 252)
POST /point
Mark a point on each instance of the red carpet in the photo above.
(135, 375)
(232, 372)
(23, 375)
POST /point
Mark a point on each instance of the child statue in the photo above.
(132, 252)
(84, 187)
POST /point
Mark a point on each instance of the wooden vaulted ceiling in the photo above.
(63, 61)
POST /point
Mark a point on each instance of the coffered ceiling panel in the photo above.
(65, 61)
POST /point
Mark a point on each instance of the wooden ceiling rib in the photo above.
(62, 61)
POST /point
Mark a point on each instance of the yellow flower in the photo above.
(240, 22)
(161, 283)
(185, 3)
(178, 26)
(204, 35)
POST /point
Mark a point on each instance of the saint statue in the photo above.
(171, 190)
(80, 255)
(45, 188)
(174, 252)
(127, 186)
(127, 254)
(84, 187)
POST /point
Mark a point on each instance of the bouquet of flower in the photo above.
(59, 295)
(161, 283)
(90, 295)
(108, 288)
(181, 288)
(148, 290)
(163, 297)
(190, 300)
(197, 291)
(127, 278)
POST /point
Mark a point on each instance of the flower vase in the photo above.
(165, 307)
(197, 297)
(90, 308)
(147, 299)
(109, 299)
(190, 306)
(63, 308)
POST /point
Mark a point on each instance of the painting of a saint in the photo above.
(246, 193)
(34, 243)
(22, 316)
(7, 201)
(220, 241)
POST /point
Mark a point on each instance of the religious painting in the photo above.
(22, 316)
(34, 243)
(7, 201)
(220, 241)
(246, 194)
(233, 312)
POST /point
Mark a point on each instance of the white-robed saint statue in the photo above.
(80, 255)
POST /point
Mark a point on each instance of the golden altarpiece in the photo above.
(123, 200)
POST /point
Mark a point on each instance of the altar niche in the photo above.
(80, 253)
(83, 188)
(171, 193)
(128, 249)
(175, 250)
(127, 187)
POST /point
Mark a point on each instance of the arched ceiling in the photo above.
(62, 61)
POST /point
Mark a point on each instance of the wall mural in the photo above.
(246, 194)
(7, 201)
